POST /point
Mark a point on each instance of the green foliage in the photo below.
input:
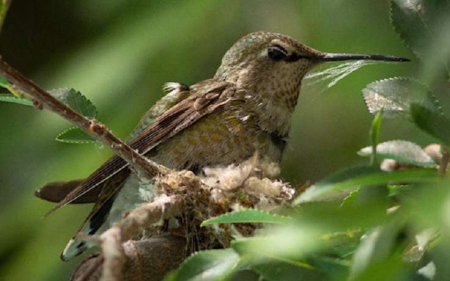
(75, 100)
(337, 231)
(394, 97)
(247, 215)
(422, 25)
(375, 135)
(434, 124)
(331, 233)
(70, 97)
(14, 99)
(359, 177)
(207, 265)
(4, 6)
(3, 82)
(418, 22)
(75, 136)
(273, 270)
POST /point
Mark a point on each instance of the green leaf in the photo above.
(273, 270)
(401, 151)
(82, 105)
(375, 135)
(349, 173)
(350, 198)
(432, 123)
(390, 269)
(436, 64)
(207, 265)
(248, 216)
(75, 136)
(428, 209)
(377, 246)
(76, 101)
(335, 269)
(418, 21)
(4, 6)
(337, 224)
(293, 242)
(18, 92)
(366, 177)
(398, 189)
(394, 97)
(14, 99)
(3, 82)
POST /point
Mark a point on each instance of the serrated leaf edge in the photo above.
(403, 78)
(59, 139)
(283, 219)
(400, 34)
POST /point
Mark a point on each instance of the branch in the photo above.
(181, 194)
(146, 169)
(114, 257)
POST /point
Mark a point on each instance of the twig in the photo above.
(145, 215)
(114, 255)
(444, 161)
(146, 169)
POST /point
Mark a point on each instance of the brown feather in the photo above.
(173, 121)
(57, 191)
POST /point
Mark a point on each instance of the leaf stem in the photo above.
(374, 136)
(444, 161)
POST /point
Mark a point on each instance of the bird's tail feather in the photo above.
(95, 224)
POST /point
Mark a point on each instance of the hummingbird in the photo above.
(244, 109)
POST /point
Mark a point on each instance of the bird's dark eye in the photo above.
(276, 52)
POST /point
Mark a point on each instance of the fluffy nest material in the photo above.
(219, 190)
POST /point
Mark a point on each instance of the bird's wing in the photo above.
(56, 191)
(200, 103)
(176, 92)
(98, 216)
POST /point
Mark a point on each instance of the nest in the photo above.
(167, 230)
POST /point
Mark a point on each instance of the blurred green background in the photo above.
(119, 53)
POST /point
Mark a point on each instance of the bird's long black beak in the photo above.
(344, 57)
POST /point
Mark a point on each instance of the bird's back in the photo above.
(231, 134)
